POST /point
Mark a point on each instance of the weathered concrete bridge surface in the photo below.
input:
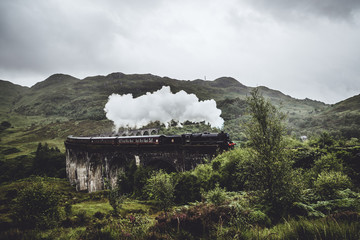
(88, 166)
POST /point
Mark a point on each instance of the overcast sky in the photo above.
(304, 48)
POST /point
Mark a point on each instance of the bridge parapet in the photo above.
(139, 132)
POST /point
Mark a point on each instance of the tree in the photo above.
(160, 187)
(49, 161)
(116, 199)
(116, 195)
(269, 166)
(125, 178)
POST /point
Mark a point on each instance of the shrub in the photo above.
(37, 205)
(187, 188)
(259, 218)
(216, 196)
(160, 187)
(204, 174)
(328, 183)
(82, 218)
(68, 209)
(141, 176)
(99, 215)
(198, 220)
(328, 162)
(232, 170)
(116, 199)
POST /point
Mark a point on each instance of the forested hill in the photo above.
(62, 105)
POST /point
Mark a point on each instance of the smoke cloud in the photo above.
(162, 105)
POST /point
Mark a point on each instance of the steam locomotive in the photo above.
(219, 140)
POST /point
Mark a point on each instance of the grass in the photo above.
(27, 131)
(91, 207)
(325, 228)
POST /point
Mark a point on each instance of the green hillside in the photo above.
(9, 95)
(349, 105)
(62, 105)
(63, 95)
(343, 117)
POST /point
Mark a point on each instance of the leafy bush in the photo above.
(328, 183)
(206, 176)
(82, 218)
(324, 140)
(315, 206)
(259, 218)
(209, 221)
(68, 209)
(328, 162)
(187, 188)
(141, 176)
(216, 196)
(160, 187)
(125, 178)
(232, 169)
(37, 205)
(197, 220)
(17, 168)
(116, 199)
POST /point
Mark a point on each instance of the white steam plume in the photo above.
(163, 106)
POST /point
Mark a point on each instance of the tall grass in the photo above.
(325, 228)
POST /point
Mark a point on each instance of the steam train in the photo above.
(219, 140)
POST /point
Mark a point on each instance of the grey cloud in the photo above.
(46, 35)
(332, 9)
(249, 40)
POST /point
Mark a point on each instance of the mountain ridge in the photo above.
(65, 97)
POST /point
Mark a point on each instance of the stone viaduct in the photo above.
(89, 165)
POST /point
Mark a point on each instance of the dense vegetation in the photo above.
(272, 187)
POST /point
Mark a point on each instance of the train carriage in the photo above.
(221, 140)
